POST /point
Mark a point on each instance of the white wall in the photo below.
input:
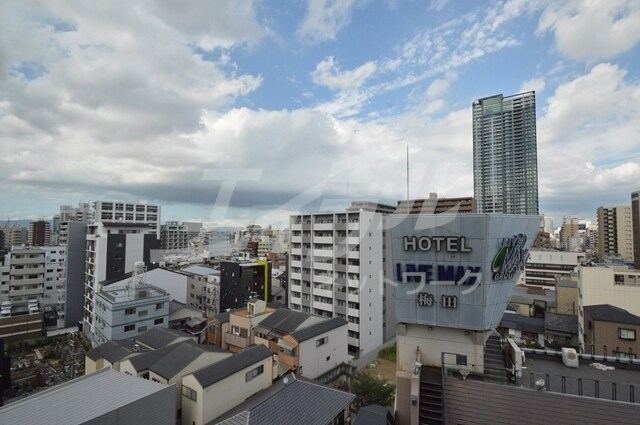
(313, 360)
(175, 284)
(224, 395)
(598, 287)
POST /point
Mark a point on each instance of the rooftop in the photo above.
(284, 321)
(290, 401)
(609, 313)
(120, 294)
(74, 402)
(157, 337)
(209, 375)
(319, 328)
(201, 270)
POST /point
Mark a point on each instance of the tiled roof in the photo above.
(157, 337)
(110, 351)
(177, 359)
(284, 321)
(561, 323)
(609, 313)
(372, 415)
(209, 375)
(318, 329)
(522, 323)
(294, 403)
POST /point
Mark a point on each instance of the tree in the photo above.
(371, 390)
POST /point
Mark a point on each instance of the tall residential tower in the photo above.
(505, 164)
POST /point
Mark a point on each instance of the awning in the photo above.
(284, 344)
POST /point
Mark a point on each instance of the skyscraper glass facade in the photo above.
(505, 163)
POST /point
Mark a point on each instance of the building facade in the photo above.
(112, 249)
(241, 281)
(175, 235)
(543, 267)
(336, 267)
(505, 165)
(122, 212)
(435, 205)
(39, 233)
(615, 234)
(635, 217)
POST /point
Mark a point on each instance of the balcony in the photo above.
(236, 340)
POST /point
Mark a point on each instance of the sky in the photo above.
(237, 112)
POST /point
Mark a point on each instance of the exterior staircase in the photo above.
(431, 401)
(494, 367)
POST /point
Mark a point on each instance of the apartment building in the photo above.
(615, 232)
(336, 266)
(635, 218)
(83, 213)
(39, 233)
(175, 235)
(122, 212)
(112, 249)
(616, 286)
(543, 267)
(435, 205)
(241, 281)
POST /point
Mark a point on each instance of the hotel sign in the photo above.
(437, 243)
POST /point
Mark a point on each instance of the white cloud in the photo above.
(593, 30)
(325, 18)
(439, 86)
(328, 73)
(535, 84)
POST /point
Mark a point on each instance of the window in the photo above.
(159, 306)
(129, 328)
(628, 334)
(130, 311)
(142, 313)
(158, 321)
(255, 372)
(322, 341)
(189, 393)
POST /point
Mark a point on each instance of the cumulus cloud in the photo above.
(593, 30)
(325, 18)
(535, 84)
(328, 73)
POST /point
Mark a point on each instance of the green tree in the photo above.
(371, 390)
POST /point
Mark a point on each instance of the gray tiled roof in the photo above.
(318, 329)
(223, 317)
(144, 361)
(285, 321)
(200, 270)
(372, 415)
(609, 313)
(110, 351)
(561, 323)
(209, 375)
(177, 359)
(297, 402)
(522, 323)
(157, 337)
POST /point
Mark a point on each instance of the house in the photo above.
(242, 323)
(107, 355)
(213, 390)
(611, 330)
(292, 401)
(217, 327)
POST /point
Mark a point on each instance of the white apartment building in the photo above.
(25, 279)
(82, 213)
(112, 250)
(174, 235)
(336, 267)
(543, 267)
(123, 212)
(54, 278)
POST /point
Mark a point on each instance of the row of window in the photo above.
(129, 328)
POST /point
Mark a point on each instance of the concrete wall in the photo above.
(313, 359)
(474, 402)
(175, 284)
(224, 395)
(75, 262)
(598, 287)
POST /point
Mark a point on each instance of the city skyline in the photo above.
(307, 107)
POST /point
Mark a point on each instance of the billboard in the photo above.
(458, 270)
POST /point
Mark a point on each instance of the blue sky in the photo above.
(233, 112)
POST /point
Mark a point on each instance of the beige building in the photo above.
(570, 228)
(617, 286)
(435, 205)
(611, 331)
(635, 218)
(241, 324)
(213, 390)
(615, 232)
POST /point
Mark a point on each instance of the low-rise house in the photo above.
(242, 323)
(213, 390)
(107, 355)
(217, 327)
(292, 401)
(159, 337)
(611, 331)
(561, 331)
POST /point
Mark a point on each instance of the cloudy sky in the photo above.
(236, 111)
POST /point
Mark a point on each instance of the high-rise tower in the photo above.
(505, 163)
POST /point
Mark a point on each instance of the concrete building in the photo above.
(543, 267)
(570, 229)
(39, 233)
(242, 323)
(242, 281)
(14, 236)
(54, 296)
(336, 266)
(454, 275)
(74, 279)
(112, 250)
(26, 278)
(124, 311)
(616, 286)
(237, 377)
(122, 212)
(635, 218)
(435, 205)
(175, 235)
(83, 213)
(123, 400)
(505, 165)
(201, 277)
(611, 330)
(615, 232)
